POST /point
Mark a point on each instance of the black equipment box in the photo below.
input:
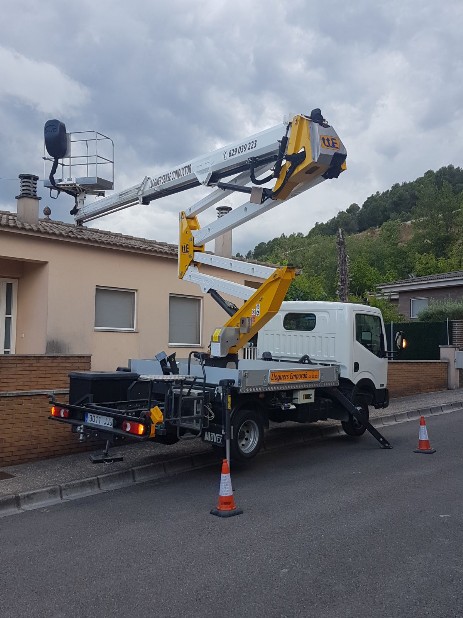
(102, 386)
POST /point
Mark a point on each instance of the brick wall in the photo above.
(26, 434)
(412, 377)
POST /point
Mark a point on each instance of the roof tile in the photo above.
(86, 234)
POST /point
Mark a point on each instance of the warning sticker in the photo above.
(300, 375)
(216, 335)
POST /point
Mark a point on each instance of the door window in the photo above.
(369, 333)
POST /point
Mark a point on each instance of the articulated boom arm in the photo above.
(299, 154)
(309, 152)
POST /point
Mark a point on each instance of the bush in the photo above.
(441, 310)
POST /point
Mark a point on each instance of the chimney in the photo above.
(223, 244)
(28, 202)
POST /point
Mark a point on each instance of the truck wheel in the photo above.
(248, 433)
(353, 427)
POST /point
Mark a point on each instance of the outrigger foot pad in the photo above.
(105, 457)
(102, 458)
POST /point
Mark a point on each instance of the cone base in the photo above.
(425, 451)
(230, 513)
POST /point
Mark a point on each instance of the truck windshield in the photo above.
(368, 333)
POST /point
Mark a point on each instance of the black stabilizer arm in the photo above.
(358, 414)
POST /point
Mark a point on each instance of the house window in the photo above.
(8, 292)
(115, 309)
(369, 333)
(184, 320)
(299, 321)
(417, 305)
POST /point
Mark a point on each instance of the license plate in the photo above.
(97, 419)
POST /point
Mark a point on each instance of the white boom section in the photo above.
(234, 218)
(237, 266)
(219, 194)
(207, 282)
(242, 214)
(205, 170)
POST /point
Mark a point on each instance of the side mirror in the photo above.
(400, 341)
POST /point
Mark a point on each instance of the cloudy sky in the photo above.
(170, 81)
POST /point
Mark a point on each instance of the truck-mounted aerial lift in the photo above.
(221, 396)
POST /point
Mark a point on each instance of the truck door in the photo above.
(369, 349)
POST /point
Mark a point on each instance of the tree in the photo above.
(389, 310)
(343, 267)
(305, 287)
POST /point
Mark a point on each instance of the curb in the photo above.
(57, 494)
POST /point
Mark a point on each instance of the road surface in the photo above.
(339, 528)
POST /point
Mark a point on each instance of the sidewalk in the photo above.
(50, 481)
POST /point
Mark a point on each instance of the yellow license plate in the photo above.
(300, 375)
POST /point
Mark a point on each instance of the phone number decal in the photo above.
(237, 150)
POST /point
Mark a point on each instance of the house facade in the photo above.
(76, 290)
(414, 294)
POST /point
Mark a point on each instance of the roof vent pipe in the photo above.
(28, 202)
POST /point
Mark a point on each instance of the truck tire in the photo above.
(247, 435)
(352, 427)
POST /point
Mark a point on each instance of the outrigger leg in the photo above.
(105, 457)
(359, 416)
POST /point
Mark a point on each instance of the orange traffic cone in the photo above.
(424, 446)
(226, 506)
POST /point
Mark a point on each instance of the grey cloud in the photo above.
(171, 81)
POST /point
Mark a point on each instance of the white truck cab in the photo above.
(349, 335)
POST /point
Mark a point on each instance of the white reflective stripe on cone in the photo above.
(225, 485)
(423, 432)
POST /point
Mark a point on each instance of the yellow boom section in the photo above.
(186, 247)
(254, 314)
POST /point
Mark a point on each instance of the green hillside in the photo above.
(412, 229)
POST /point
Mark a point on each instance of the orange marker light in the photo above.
(59, 412)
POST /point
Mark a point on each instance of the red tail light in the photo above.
(137, 429)
(59, 412)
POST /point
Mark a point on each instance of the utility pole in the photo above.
(343, 267)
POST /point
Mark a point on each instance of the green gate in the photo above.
(423, 339)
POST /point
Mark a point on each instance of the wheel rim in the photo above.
(248, 436)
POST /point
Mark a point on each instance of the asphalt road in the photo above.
(337, 529)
